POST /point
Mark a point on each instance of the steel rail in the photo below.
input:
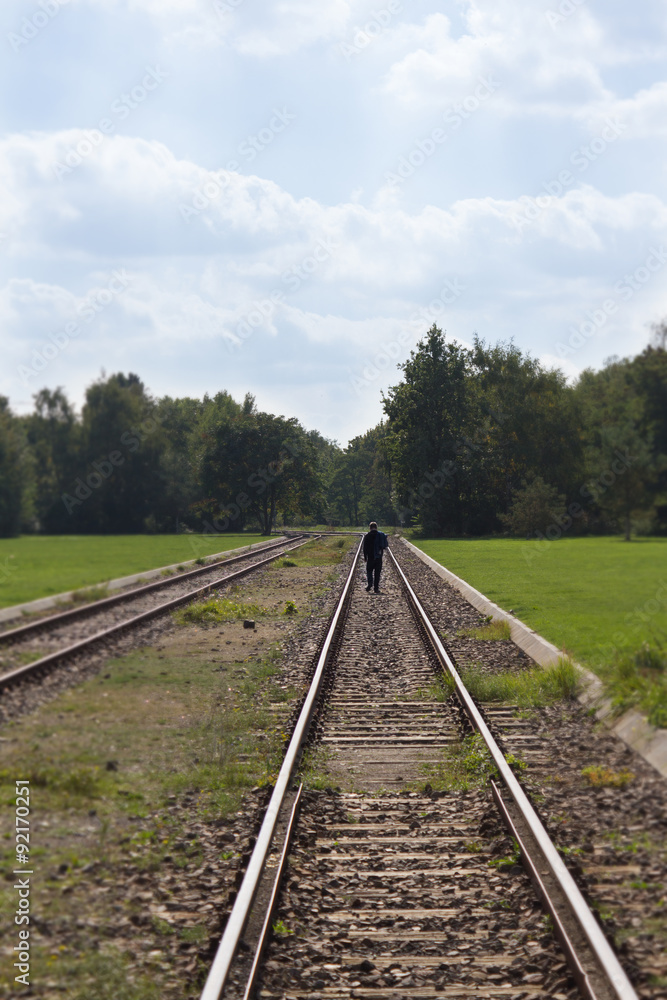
(127, 595)
(580, 976)
(219, 971)
(264, 934)
(608, 961)
(53, 658)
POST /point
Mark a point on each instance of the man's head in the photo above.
(373, 526)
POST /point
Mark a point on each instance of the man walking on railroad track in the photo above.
(375, 542)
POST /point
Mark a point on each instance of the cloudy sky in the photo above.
(281, 196)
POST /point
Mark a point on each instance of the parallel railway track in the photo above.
(388, 891)
(98, 622)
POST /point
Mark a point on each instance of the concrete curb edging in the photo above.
(631, 727)
(46, 603)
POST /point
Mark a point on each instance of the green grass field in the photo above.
(36, 566)
(586, 595)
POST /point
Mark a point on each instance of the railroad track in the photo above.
(58, 638)
(388, 892)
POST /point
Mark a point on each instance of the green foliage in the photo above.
(464, 765)
(467, 426)
(527, 688)
(89, 594)
(504, 864)
(81, 781)
(638, 679)
(252, 464)
(496, 630)
(605, 777)
(106, 976)
(290, 608)
(624, 429)
(16, 474)
(359, 486)
(473, 437)
(216, 610)
(534, 508)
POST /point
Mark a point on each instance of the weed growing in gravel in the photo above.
(321, 552)
(23, 656)
(504, 864)
(313, 770)
(440, 689)
(290, 608)
(465, 765)
(530, 688)
(216, 610)
(497, 904)
(281, 928)
(194, 935)
(89, 594)
(639, 680)
(604, 777)
(162, 926)
(495, 629)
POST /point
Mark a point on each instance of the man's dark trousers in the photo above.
(373, 570)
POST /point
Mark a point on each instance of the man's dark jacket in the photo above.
(374, 544)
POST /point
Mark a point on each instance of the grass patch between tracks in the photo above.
(320, 552)
(465, 765)
(35, 566)
(216, 610)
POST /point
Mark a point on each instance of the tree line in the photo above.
(474, 441)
